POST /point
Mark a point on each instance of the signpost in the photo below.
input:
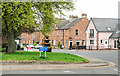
(43, 49)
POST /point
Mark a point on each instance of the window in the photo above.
(78, 42)
(54, 42)
(114, 43)
(66, 33)
(91, 32)
(62, 42)
(66, 43)
(83, 42)
(117, 43)
(57, 33)
(76, 32)
(101, 41)
(91, 41)
(57, 42)
(62, 32)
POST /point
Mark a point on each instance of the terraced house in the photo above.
(67, 32)
(70, 32)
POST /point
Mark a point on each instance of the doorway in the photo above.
(70, 44)
(106, 43)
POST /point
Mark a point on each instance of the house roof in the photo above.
(105, 24)
(71, 23)
(116, 33)
(62, 23)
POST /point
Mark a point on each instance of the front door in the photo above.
(106, 43)
(70, 44)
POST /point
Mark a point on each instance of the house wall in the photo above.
(111, 43)
(103, 36)
(88, 38)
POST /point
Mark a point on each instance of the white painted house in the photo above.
(100, 34)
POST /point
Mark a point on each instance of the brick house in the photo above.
(67, 32)
(102, 33)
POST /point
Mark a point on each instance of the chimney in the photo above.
(72, 17)
(84, 15)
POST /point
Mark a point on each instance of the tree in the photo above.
(17, 17)
(47, 11)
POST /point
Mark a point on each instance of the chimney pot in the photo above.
(84, 15)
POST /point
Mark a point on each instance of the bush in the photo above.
(36, 43)
(4, 44)
(46, 36)
(3, 49)
(59, 45)
(54, 47)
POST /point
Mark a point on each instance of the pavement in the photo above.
(94, 63)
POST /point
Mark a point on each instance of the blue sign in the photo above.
(22, 37)
(43, 48)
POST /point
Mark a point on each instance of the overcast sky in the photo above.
(96, 8)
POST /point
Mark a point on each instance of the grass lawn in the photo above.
(51, 56)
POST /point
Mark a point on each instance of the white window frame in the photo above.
(54, 43)
(66, 32)
(57, 32)
(62, 32)
(76, 32)
(66, 43)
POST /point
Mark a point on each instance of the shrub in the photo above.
(59, 45)
(4, 44)
(46, 36)
(36, 43)
(54, 47)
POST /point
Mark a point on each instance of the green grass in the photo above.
(51, 56)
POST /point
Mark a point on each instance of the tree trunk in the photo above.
(11, 43)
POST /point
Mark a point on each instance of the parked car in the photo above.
(38, 45)
(30, 45)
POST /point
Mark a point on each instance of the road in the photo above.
(111, 56)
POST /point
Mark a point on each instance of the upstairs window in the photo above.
(91, 32)
(76, 32)
(62, 32)
(66, 32)
(57, 33)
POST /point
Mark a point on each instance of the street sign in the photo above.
(22, 37)
(43, 49)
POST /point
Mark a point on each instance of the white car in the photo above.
(30, 45)
(38, 45)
